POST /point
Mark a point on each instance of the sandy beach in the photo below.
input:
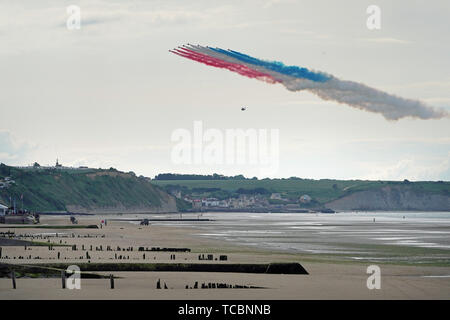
(328, 278)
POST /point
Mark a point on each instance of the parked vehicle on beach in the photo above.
(13, 216)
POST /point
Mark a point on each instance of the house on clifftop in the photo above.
(3, 210)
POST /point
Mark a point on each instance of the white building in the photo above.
(223, 203)
(305, 198)
(176, 194)
(275, 196)
(3, 209)
(210, 202)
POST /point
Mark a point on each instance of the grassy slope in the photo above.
(52, 190)
(321, 190)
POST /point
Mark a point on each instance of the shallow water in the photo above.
(356, 235)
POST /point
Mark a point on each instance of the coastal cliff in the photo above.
(83, 190)
(392, 198)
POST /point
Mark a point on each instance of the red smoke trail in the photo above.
(211, 61)
(235, 67)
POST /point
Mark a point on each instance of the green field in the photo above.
(321, 190)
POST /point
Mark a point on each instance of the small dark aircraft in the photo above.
(243, 108)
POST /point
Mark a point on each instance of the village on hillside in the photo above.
(276, 202)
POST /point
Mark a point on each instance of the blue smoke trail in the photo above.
(276, 66)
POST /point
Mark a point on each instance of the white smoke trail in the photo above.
(360, 96)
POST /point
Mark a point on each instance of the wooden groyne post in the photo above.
(63, 279)
(13, 278)
(111, 281)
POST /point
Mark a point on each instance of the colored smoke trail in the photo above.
(277, 66)
(326, 86)
(211, 61)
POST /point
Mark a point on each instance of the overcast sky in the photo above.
(111, 95)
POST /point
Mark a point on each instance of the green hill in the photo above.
(82, 191)
(364, 194)
(86, 190)
(323, 190)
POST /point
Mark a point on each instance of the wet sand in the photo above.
(327, 279)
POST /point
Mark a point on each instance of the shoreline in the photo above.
(326, 279)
